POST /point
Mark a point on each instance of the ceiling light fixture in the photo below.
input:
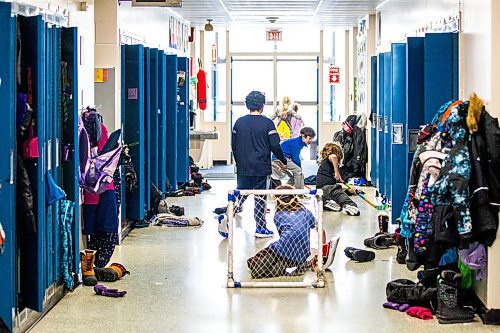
(272, 19)
(209, 26)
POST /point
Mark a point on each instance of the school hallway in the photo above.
(178, 276)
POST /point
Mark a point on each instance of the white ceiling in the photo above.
(326, 13)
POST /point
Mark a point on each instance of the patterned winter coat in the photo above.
(450, 193)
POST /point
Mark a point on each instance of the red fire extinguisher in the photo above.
(202, 89)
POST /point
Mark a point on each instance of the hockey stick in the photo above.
(358, 193)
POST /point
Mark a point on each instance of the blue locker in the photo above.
(147, 142)
(123, 192)
(56, 145)
(49, 112)
(7, 164)
(134, 125)
(387, 125)
(33, 257)
(415, 95)
(69, 54)
(374, 164)
(440, 71)
(398, 159)
(171, 129)
(153, 116)
(162, 122)
(183, 122)
(380, 125)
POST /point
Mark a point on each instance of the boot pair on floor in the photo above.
(93, 274)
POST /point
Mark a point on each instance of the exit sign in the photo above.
(274, 35)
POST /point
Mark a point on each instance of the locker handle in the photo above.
(11, 179)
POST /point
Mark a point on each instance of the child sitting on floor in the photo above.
(293, 222)
(328, 179)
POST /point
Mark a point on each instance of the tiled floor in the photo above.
(178, 285)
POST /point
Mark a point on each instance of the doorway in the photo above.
(277, 75)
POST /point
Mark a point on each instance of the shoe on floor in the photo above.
(223, 231)
(263, 232)
(329, 251)
(332, 206)
(359, 255)
(379, 242)
(350, 210)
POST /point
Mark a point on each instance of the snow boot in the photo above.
(112, 273)
(401, 244)
(383, 223)
(87, 258)
(448, 310)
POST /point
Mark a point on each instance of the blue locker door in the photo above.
(49, 112)
(162, 122)
(387, 124)
(415, 95)
(398, 129)
(183, 122)
(32, 271)
(440, 71)
(56, 142)
(147, 127)
(373, 132)
(380, 125)
(7, 164)
(153, 117)
(69, 54)
(171, 129)
(123, 192)
(134, 125)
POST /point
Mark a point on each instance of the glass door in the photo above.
(277, 75)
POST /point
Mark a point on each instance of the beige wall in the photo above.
(480, 71)
(404, 17)
(107, 53)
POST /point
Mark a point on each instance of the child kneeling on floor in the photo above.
(328, 179)
(292, 250)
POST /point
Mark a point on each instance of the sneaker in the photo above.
(329, 251)
(223, 231)
(263, 232)
(332, 206)
(350, 210)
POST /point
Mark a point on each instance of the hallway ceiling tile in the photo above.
(326, 13)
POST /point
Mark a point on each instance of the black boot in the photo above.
(401, 244)
(449, 311)
(383, 223)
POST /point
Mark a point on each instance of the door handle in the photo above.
(11, 179)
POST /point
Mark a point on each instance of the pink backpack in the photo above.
(96, 171)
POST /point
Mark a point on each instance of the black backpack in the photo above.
(92, 121)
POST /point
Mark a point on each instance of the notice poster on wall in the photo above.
(178, 34)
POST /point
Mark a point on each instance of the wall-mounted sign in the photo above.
(333, 74)
(179, 34)
(214, 54)
(274, 35)
(132, 93)
(100, 75)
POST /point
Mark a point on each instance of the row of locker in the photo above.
(39, 61)
(155, 119)
(409, 84)
(155, 125)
